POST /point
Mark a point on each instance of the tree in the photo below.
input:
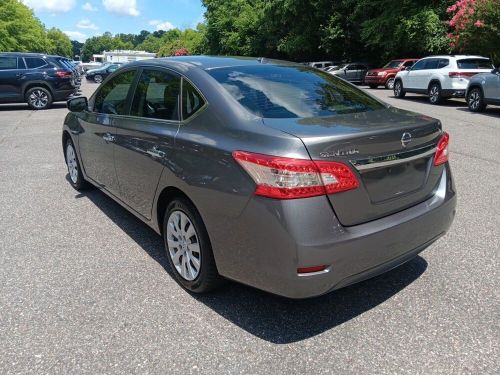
(475, 26)
(76, 48)
(59, 43)
(20, 30)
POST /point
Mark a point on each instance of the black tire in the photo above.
(372, 86)
(98, 78)
(475, 100)
(76, 178)
(399, 92)
(38, 98)
(208, 277)
(389, 84)
(434, 92)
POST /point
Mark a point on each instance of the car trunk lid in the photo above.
(390, 150)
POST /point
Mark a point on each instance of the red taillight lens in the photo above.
(461, 74)
(288, 178)
(311, 269)
(63, 74)
(441, 155)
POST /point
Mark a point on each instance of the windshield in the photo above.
(474, 64)
(393, 64)
(271, 91)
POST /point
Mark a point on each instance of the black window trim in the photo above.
(199, 110)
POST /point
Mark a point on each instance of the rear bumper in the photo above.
(273, 239)
(62, 95)
(455, 93)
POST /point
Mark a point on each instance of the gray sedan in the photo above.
(483, 89)
(272, 174)
(352, 72)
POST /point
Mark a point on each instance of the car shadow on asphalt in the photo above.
(272, 318)
(489, 111)
(23, 106)
(452, 102)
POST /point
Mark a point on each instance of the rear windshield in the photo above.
(474, 64)
(393, 64)
(271, 91)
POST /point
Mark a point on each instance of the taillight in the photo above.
(441, 155)
(288, 178)
(461, 74)
(63, 74)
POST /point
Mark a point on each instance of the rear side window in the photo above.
(7, 63)
(474, 64)
(112, 97)
(443, 63)
(192, 100)
(157, 95)
(292, 91)
(34, 62)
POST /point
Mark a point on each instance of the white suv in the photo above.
(440, 77)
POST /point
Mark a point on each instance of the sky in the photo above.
(81, 19)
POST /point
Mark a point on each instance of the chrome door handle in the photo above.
(156, 152)
(108, 137)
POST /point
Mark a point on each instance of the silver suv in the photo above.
(483, 89)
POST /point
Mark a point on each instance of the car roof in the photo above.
(213, 62)
(23, 54)
(457, 57)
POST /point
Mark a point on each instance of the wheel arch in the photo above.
(434, 80)
(32, 84)
(167, 195)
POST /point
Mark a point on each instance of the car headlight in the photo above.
(381, 73)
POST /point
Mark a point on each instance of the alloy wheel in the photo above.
(38, 99)
(474, 100)
(183, 245)
(72, 164)
(397, 89)
(390, 83)
(98, 78)
(434, 94)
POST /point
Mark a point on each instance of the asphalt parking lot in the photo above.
(85, 286)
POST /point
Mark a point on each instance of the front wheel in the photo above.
(398, 89)
(76, 178)
(435, 93)
(98, 78)
(189, 252)
(475, 100)
(389, 84)
(38, 98)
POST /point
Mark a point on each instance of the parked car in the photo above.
(352, 72)
(98, 75)
(440, 77)
(276, 175)
(385, 76)
(322, 64)
(91, 65)
(483, 89)
(35, 79)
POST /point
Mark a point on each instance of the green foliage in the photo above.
(59, 43)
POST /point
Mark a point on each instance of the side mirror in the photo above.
(78, 104)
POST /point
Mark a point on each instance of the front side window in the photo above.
(157, 95)
(8, 63)
(419, 65)
(431, 64)
(272, 91)
(112, 97)
(192, 100)
(34, 62)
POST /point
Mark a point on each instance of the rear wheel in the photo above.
(389, 84)
(373, 86)
(189, 252)
(98, 78)
(435, 93)
(475, 100)
(38, 98)
(398, 89)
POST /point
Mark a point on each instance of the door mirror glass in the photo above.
(79, 104)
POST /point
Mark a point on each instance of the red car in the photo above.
(385, 76)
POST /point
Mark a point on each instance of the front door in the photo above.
(416, 75)
(98, 133)
(145, 139)
(10, 82)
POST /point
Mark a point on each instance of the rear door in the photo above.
(10, 78)
(145, 139)
(97, 138)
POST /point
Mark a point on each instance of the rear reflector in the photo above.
(288, 178)
(441, 155)
(311, 269)
(461, 74)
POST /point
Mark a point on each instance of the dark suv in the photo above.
(36, 79)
